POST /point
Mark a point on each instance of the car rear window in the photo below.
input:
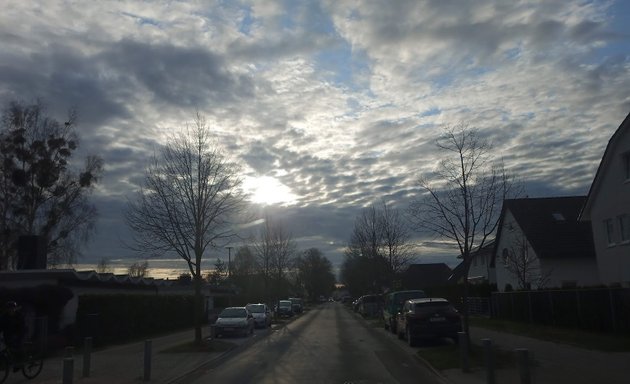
(256, 308)
(431, 306)
(233, 312)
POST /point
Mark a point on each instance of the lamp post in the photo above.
(229, 260)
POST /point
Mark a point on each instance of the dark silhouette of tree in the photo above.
(41, 193)
(139, 269)
(315, 274)
(379, 247)
(190, 197)
(464, 204)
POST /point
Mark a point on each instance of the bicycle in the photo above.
(31, 364)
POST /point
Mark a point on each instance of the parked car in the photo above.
(393, 303)
(428, 318)
(370, 305)
(285, 308)
(234, 320)
(261, 313)
(297, 304)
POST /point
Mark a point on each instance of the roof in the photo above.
(585, 214)
(551, 226)
(419, 276)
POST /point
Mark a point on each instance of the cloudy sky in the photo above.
(328, 105)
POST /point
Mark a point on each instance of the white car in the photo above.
(234, 320)
(261, 313)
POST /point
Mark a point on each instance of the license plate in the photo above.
(437, 319)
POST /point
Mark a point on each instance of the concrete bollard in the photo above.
(87, 356)
(68, 370)
(522, 359)
(463, 351)
(147, 360)
(488, 354)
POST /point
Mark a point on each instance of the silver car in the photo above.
(234, 320)
(261, 313)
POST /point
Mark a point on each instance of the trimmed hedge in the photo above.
(44, 300)
(119, 318)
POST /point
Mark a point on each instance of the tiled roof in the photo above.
(551, 226)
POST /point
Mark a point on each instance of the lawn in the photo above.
(589, 340)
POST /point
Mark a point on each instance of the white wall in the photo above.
(612, 199)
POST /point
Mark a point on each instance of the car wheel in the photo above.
(410, 340)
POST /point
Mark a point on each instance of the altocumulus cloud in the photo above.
(338, 102)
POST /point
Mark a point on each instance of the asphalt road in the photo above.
(326, 345)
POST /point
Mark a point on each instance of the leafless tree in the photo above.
(465, 204)
(275, 250)
(104, 266)
(396, 244)
(190, 197)
(524, 265)
(139, 269)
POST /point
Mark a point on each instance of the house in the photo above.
(607, 208)
(541, 244)
(423, 276)
(481, 268)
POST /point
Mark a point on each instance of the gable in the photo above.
(610, 167)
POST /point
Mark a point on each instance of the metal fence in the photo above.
(596, 309)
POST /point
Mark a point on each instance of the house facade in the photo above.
(608, 209)
(541, 244)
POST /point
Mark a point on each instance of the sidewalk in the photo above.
(125, 363)
(554, 363)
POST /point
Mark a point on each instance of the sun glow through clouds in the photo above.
(268, 190)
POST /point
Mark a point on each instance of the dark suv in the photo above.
(428, 318)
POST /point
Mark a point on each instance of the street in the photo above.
(328, 344)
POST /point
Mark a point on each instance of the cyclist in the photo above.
(13, 327)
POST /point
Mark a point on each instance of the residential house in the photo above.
(541, 244)
(423, 276)
(481, 268)
(607, 208)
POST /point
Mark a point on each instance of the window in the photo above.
(610, 231)
(624, 227)
(625, 158)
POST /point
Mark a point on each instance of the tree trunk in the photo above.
(198, 305)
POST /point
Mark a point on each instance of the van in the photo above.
(393, 304)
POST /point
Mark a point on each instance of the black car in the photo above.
(285, 308)
(428, 318)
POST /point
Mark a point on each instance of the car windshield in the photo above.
(285, 303)
(256, 308)
(233, 313)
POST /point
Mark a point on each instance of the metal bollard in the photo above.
(87, 356)
(68, 370)
(463, 351)
(522, 359)
(147, 360)
(489, 360)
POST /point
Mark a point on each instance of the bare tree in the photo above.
(396, 244)
(275, 250)
(465, 205)
(104, 266)
(524, 265)
(191, 195)
(380, 235)
(139, 269)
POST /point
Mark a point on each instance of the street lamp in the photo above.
(229, 260)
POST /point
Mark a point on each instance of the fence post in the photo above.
(43, 334)
(489, 360)
(553, 316)
(579, 308)
(87, 356)
(68, 370)
(462, 337)
(522, 359)
(613, 315)
(147, 360)
(529, 304)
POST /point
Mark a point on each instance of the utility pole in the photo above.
(229, 261)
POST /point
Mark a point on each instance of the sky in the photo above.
(328, 106)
